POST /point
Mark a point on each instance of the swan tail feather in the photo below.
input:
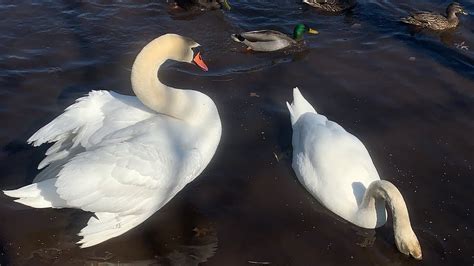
(105, 226)
(299, 106)
(38, 195)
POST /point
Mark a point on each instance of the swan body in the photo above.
(124, 157)
(336, 168)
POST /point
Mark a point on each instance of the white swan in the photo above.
(336, 168)
(124, 157)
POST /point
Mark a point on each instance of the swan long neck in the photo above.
(146, 84)
(391, 195)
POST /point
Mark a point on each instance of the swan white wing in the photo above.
(126, 177)
(112, 157)
(79, 121)
(123, 184)
(337, 159)
(86, 123)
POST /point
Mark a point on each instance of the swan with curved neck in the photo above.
(124, 157)
(336, 168)
(149, 89)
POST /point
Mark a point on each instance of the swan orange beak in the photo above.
(198, 61)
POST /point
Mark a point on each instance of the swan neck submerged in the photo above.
(405, 238)
(393, 198)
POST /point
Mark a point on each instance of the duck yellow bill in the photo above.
(198, 61)
(313, 31)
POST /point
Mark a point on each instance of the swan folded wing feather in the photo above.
(80, 119)
(87, 122)
(348, 151)
(336, 156)
(305, 169)
(122, 178)
(124, 111)
(133, 189)
(65, 142)
(73, 127)
(95, 180)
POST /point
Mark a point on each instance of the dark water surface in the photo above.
(408, 97)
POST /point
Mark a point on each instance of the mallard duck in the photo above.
(331, 5)
(436, 21)
(203, 4)
(270, 40)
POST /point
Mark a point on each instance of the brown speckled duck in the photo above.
(434, 21)
(333, 6)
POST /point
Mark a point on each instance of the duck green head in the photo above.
(300, 30)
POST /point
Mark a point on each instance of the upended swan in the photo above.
(124, 157)
(336, 168)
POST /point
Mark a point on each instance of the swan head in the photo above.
(187, 53)
(174, 47)
(407, 243)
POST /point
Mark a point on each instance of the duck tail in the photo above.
(237, 37)
(408, 20)
(299, 106)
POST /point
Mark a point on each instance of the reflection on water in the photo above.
(200, 248)
(409, 96)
